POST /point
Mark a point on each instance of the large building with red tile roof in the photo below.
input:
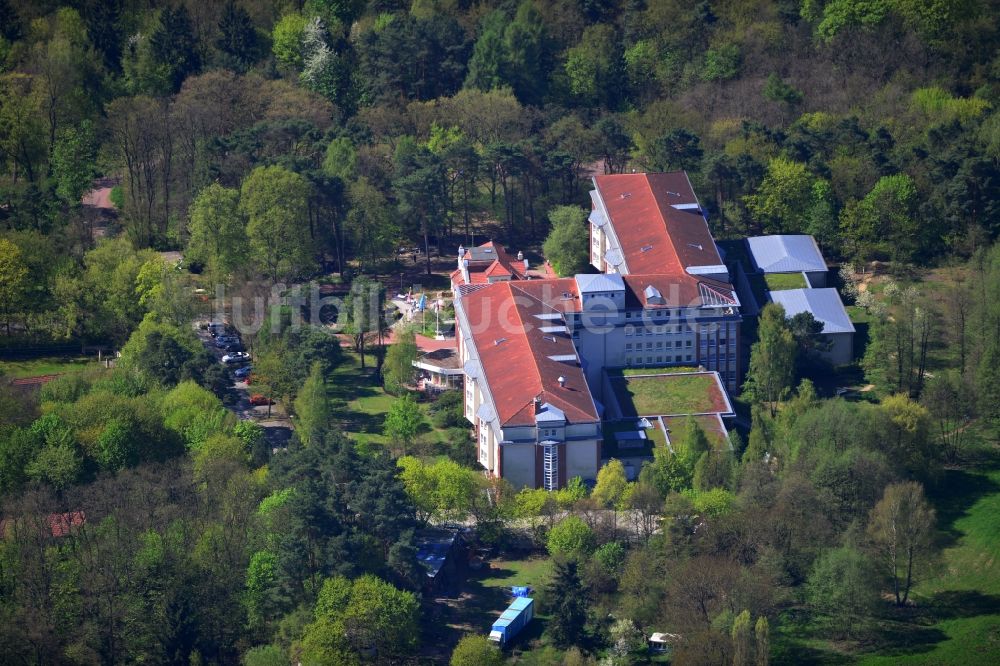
(536, 420)
(534, 348)
(651, 229)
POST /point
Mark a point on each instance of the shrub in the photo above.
(571, 537)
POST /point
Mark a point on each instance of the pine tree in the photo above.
(238, 39)
(568, 605)
(175, 47)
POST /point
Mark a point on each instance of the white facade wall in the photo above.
(598, 246)
(582, 459)
(519, 464)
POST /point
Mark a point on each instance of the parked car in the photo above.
(258, 399)
(224, 340)
(236, 357)
(216, 329)
(243, 373)
(234, 347)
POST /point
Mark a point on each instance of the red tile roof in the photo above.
(497, 268)
(677, 291)
(655, 237)
(62, 523)
(560, 294)
(59, 524)
(515, 353)
(500, 264)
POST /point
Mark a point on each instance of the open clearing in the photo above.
(56, 365)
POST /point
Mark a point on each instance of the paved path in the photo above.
(100, 196)
(426, 344)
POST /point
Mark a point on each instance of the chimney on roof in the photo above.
(562, 381)
(537, 403)
(520, 255)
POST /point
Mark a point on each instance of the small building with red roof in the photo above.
(490, 262)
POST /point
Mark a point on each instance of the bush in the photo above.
(571, 537)
(460, 447)
(476, 651)
(712, 503)
(448, 410)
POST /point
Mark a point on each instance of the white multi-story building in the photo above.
(534, 350)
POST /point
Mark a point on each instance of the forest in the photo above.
(254, 146)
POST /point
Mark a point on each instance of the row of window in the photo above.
(721, 343)
(650, 360)
(660, 344)
(652, 314)
(655, 330)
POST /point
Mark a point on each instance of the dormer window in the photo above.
(653, 296)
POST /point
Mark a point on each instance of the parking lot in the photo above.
(276, 424)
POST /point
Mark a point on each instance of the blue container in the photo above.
(513, 620)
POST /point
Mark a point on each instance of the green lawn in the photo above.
(858, 314)
(534, 572)
(959, 622)
(360, 403)
(46, 366)
(666, 394)
(657, 435)
(781, 281)
(956, 616)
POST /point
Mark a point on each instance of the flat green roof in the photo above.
(665, 394)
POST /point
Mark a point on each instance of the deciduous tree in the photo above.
(900, 528)
(772, 359)
(475, 650)
(218, 231)
(784, 198)
(312, 406)
(843, 589)
(566, 246)
(403, 422)
(13, 281)
(398, 371)
(571, 538)
(275, 202)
